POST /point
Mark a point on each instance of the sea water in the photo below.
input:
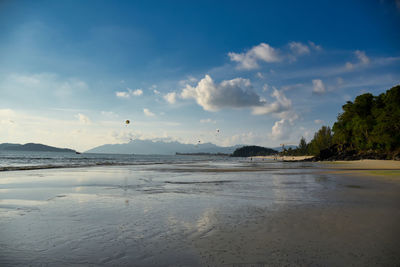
(24, 160)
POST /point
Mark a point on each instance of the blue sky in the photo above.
(261, 72)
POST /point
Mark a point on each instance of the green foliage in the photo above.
(323, 139)
(251, 151)
(302, 148)
(370, 123)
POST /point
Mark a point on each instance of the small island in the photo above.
(33, 147)
(252, 151)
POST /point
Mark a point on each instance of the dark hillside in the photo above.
(251, 151)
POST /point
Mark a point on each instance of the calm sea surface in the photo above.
(23, 160)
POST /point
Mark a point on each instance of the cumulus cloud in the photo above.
(171, 97)
(283, 129)
(249, 60)
(235, 93)
(281, 104)
(128, 93)
(148, 113)
(318, 86)
(83, 119)
(280, 130)
(298, 48)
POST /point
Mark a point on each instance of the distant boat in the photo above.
(76, 152)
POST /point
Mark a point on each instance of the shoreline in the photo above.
(284, 158)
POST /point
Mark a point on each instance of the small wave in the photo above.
(40, 167)
(200, 182)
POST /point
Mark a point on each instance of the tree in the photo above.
(302, 148)
(370, 123)
(322, 140)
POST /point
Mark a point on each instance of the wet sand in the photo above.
(208, 214)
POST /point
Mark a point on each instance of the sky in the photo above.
(261, 72)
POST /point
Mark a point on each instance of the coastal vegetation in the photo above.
(369, 127)
(251, 151)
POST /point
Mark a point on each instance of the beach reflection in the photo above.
(141, 214)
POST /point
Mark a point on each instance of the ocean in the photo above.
(27, 160)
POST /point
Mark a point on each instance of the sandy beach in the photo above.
(240, 213)
(284, 158)
(365, 164)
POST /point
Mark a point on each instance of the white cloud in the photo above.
(299, 48)
(235, 93)
(250, 59)
(148, 113)
(128, 93)
(260, 75)
(283, 129)
(208, 121)
(281, 104)
(318, 86)
(170, 97)
(280, 130)
(318, 121)
(265, 87)
(362, 61)
(82, 118)
(122, 94)
(362, 57)
(156, 92)
(138, 92)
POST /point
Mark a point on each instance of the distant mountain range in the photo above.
(33, 147)
(161, 148)
(135, 147)
(164, 148)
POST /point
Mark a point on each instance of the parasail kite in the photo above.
(127, 122)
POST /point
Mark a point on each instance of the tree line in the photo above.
(370, 124)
